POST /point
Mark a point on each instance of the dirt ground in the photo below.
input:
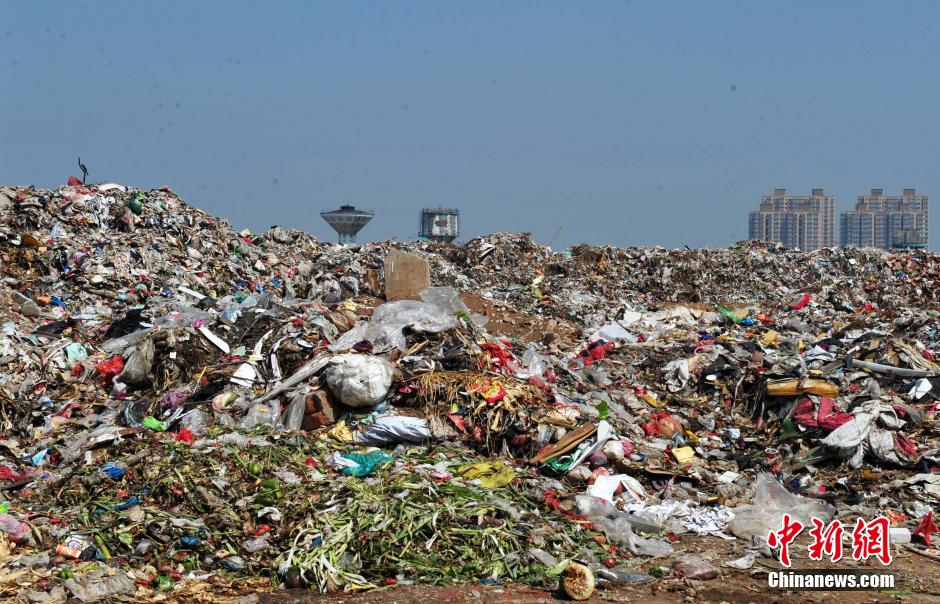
(505, 321)
(916, 581)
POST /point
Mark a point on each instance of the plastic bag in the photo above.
(15, 529)
(533, 364)
(359, 380)
(618, 526)
(596, 509)
(491, 475)
(389, 429)
(174, 398)
(385, 330)
(137, 369)
(691, 567)
(293, 414)
(623, 576)
(771, 502)
(262, 414)
(447, 299)
(365, 463)
(110, 367)
(196, 421)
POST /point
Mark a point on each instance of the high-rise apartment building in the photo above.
(798, 221)
(886, 221)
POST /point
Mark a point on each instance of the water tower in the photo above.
(347, 221)
(440, 224)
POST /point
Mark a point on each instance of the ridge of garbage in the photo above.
(184, 405)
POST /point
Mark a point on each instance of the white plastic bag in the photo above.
(771, 502)
(359, 380)
(262, 414)
(385, 330)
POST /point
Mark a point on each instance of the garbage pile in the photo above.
(186, 407)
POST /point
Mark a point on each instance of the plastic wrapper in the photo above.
(447, 299)
(386, 329)
(618, 526)
(15, 530)
(691, 567)
(262, 414)
(771, 502)
(137, 368)
(95, 587)
(293, 414)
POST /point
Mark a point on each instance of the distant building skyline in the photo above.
(887, 221)
(798, 221)
(807, 222)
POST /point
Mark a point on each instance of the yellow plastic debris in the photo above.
(653, 401)
(683, 454)
(340, 433)
(771, 338)
(492, 475)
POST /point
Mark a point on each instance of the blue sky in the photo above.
(631, 123)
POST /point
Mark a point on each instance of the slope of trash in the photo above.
(190, 409)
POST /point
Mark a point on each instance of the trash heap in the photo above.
(186, 408)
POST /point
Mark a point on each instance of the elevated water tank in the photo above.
(440, 224)
(347, 221)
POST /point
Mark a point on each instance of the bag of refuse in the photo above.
(389, 429)
(137, 368)
(359, 380)
(771, 502)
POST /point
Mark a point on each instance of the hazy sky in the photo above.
(625, 122)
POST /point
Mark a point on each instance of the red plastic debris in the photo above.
(926, 528)
(111, 367)
(186, 435)
(803, 302)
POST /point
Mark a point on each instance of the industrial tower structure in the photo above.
(347, 221)
(439, 224)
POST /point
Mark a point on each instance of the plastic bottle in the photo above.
(623, 576)
(899, 535)
(594, 508)
(542, 556)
